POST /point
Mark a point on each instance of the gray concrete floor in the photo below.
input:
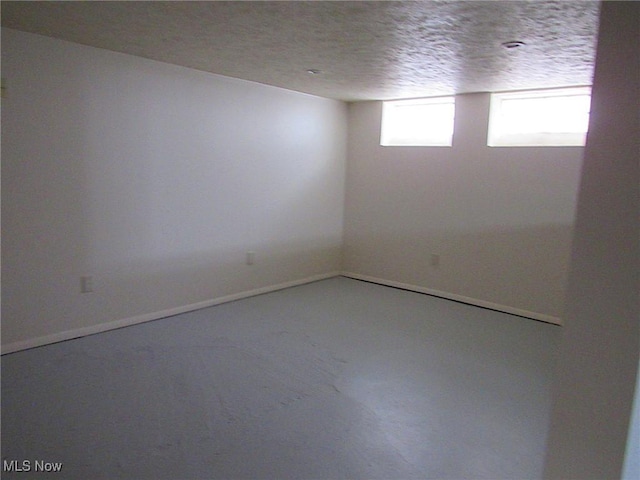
(335, 379)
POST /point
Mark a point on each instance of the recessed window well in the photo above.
(556, 117)
(423, 122)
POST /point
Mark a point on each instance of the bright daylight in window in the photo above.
(424, 122)
(558, 117)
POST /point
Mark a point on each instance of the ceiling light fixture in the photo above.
(513, 44)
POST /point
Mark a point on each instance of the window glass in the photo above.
(540, 118)
(424, 122)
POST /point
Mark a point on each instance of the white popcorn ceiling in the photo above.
(363, 50)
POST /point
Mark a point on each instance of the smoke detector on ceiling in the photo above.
(513, 44)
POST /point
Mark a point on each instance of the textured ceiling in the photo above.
(363, 50)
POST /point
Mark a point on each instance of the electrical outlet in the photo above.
(434, 260)
(86, 284)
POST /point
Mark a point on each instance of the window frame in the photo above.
(496, 138)
(387, 137)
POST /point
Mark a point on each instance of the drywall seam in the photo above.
(458, 298)
(147, 317)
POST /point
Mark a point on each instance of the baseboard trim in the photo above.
(542, 317)
(147, 317)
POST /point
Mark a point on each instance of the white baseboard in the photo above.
(458, 298)
(125, 322)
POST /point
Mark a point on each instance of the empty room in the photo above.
(320, 240)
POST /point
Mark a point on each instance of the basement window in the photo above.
(424, 122)
(558, 117)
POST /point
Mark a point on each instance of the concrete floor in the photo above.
(335, 379)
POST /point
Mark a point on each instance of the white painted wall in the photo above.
(156, 180)
(499, 218)
(596, 377)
